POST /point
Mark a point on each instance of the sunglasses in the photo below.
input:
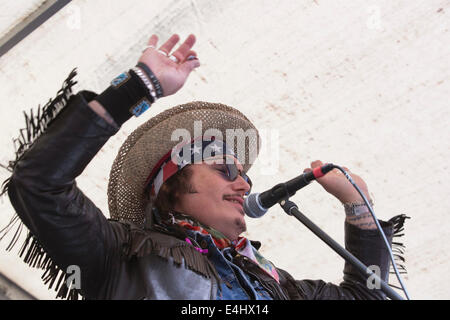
(231, 172)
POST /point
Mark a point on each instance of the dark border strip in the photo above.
(30, 23)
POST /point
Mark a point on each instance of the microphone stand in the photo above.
(291, 209)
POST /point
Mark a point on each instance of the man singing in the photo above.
(176, 208)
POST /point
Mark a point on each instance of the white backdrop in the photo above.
(362, 84)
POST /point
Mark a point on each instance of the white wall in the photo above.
(13, 12)
(360, 84)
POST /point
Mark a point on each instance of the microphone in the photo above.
(257, 204)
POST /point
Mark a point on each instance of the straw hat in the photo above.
(146, 145)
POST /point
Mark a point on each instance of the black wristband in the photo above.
(153, 79)
(127, 96)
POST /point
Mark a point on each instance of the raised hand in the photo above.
(171, 69)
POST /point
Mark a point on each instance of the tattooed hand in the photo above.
(337, 184)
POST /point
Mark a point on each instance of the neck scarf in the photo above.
(242, 245)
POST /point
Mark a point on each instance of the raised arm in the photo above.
(172, 73)
(64, 224)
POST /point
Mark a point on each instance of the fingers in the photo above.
(185, 49)
(169, 44)
(153, 40)
(189, 65)
(182, 54)
(191, 55)
(316, 164)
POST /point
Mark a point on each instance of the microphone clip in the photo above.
(288, 206)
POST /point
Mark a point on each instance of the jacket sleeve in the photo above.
(42, 189)
(368, 247)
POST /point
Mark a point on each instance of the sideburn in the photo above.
(173, 188)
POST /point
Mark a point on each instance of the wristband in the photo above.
(126, 96)
(153, 79)
(147, 82)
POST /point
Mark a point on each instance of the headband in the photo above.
(183, 154)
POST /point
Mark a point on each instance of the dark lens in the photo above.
(249, 181)
(223, 168)
(232, 171)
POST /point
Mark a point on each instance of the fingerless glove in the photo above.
(126, 96)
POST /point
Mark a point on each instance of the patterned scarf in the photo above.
(242, 245)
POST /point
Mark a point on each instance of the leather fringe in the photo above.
(36, 122)
(193, 260)
(179, 252)
(398, 248)
(53, 276)
(34, 254)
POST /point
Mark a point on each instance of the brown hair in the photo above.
(172, 189)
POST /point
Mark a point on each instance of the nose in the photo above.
(240, 185)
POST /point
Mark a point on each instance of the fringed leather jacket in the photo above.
(117, 260)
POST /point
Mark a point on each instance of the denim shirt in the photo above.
(236, 284)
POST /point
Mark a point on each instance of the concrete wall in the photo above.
(10, 291)
(14, 12)
(362, 84)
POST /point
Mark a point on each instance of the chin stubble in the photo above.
(240, 224)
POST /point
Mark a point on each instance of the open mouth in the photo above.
(234, 199)
(237, 201)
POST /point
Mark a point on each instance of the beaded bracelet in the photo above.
(146, 82)
(153, 79)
